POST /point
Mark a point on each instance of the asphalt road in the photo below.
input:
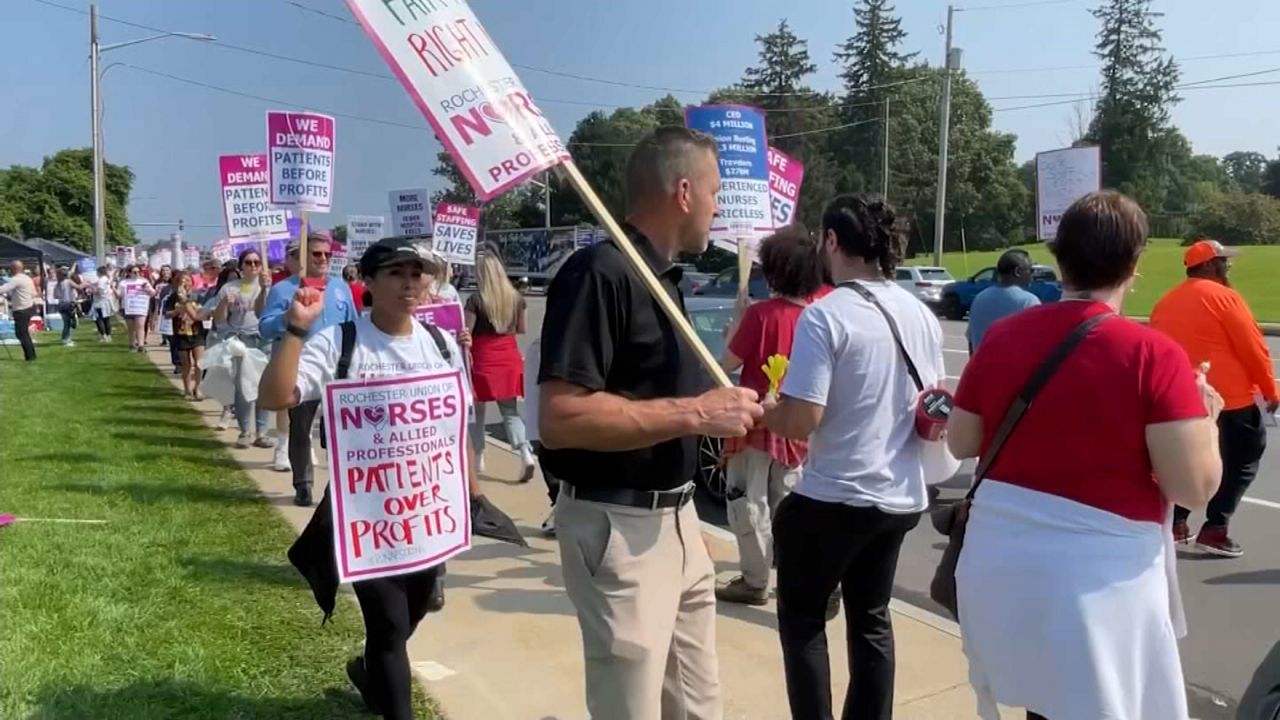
(1233, 606)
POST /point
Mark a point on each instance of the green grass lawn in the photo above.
(1256, 274)
(182, 605)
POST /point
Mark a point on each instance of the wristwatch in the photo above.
(296, 331)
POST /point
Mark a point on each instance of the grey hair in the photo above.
(661, 160)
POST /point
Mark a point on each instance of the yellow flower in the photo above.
(774, 369)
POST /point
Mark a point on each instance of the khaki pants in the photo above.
(756, 485)
(644, 589)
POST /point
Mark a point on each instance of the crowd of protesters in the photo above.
(829, 464)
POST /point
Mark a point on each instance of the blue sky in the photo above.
(171, 132)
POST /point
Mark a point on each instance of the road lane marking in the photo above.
(958, 352)
(1263, 503)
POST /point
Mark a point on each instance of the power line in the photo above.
(1012, 6)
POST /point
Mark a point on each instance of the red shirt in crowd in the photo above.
(357, 295)
(1084, 437)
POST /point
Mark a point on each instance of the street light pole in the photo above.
(884, 159)
(944, 128)
(95, 113)
(95, 119)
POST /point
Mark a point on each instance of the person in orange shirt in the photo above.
(1213, 324)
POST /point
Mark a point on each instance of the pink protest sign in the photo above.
(456, 228)
(246, 198)
(446, 316)
(785, 175)
(397, 453)
(300, 152)
(461, 82)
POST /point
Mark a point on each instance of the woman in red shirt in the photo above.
(763, 467)
(1066, 587)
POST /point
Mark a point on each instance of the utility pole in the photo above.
(546, 194)
(95, 119)
(944, 128)
(884, 154)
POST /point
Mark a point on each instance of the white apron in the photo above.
(1069, 611)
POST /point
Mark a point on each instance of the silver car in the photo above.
(925, 283)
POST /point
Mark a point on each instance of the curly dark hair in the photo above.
(790, 262)
(867, 227)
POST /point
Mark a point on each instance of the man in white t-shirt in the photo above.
(849, 392)
(388, 342)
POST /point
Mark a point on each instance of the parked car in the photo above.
(726, 285)
(692, 280)
(925, 283)
(710, 317)
(958, 296)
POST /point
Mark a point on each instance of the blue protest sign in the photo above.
(739, 131)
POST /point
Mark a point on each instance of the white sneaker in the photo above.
(69, 343)
(529, 464)
(280, 458)
(549, 525)
(224, 420)
(480, 464)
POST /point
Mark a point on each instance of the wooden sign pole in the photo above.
(302, 249)
(677, 318)
(744, 267)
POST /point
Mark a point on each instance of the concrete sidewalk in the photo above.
(507, 644)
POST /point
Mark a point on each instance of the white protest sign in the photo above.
(125, 256)
(1062, 177)
(338, 261)
(192, 257)
(220, 250)
(363, 231)
(398, 473)
(246, 199)
(461, 82)
(457, 227)
(162, 258)
(410, 212)
(300, 151)
(136, 300)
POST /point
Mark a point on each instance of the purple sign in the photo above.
(446, 316)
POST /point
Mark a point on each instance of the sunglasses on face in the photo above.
(252, 263)
(321, 254)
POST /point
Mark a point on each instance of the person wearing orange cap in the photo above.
(1212, 322)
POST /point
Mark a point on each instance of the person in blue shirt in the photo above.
(339, 307)
(1008, 296)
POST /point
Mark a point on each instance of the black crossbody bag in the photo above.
(951, 520)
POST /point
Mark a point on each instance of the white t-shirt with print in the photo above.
(865, 451)
(376, 355)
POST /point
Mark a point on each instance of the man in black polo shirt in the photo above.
(620, 408)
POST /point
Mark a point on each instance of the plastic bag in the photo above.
(219, 363)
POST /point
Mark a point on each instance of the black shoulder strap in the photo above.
(348, 335)
(441, 345)
(1022, 402)
(893, 328)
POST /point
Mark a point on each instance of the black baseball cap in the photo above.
(1012, 261)
(392, 250)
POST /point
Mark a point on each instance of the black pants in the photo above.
(1242, 438)
(103, 321)
(392, 608)
(818, 546)
(301, 418)
(68, 313)
(22, 329)
(553, 483)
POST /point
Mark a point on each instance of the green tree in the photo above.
(55, 201)
(870, 59)
(511, 210)
(1245, 170)
(798, 117)
(987, 197)
(1271, 178)
(1131, 119)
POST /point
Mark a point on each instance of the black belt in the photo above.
(646, 499)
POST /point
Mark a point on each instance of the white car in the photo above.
(925, 283)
